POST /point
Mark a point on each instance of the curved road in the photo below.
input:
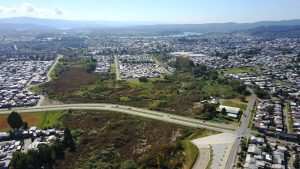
(190, 122)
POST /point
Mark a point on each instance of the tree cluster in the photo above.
(90, 66)
(261, 93)
(183, 63)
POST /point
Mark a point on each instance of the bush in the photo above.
(143, 79)
(129, 164)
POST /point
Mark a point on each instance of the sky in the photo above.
(159, 11)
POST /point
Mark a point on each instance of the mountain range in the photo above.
(28, 23)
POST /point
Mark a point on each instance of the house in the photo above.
(231, 111)
(254, 149)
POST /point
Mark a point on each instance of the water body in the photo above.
(179, 35)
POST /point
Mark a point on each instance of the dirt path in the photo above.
(117, 68)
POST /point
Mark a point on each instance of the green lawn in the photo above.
(218, 90)
(35, 89)
(241, 70)
(51, 118)
(231, 103)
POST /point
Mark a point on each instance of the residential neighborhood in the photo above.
(16, 76)
(26, 140)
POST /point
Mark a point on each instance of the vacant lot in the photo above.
(235, 103)
(108, 140)
(173, 93)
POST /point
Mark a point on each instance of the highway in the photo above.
(176, 119)
(242, 131)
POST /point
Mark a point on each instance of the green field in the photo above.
(241, 70)
(242, 106)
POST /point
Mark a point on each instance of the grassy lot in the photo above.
(39, 119)
(218, 90)
(51, 118)
(173, 93)
(231, 103)
(35, 89)
(285, 84)
(241, 70)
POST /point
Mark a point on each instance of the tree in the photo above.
(21, 161)
(15, 120)
(240, 112)
(183, 63)
(25, 125)
(296, 162)
(224, 111)
(68, 140)
(143, 79)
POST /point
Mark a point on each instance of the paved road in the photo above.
(242, 131)
(221, 145)
(133, 111)
(202, 159)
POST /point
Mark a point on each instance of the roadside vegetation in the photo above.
(106, 140)
(59, 68)
(112, 140)
(173, 93)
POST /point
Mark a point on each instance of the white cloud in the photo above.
(27, 8)
(4, 10)
(59, 11)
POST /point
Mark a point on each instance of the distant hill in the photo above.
(38, 23)
(71, 24)
(276, 31)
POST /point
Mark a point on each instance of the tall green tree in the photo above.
(15, 121)
(68, 140)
